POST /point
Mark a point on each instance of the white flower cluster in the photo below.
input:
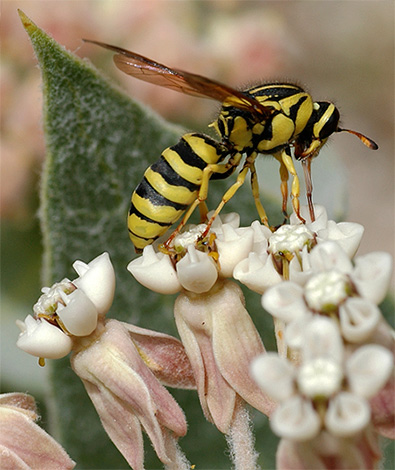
(324, 302)
(197, 271)
(328, 389)
(249, 254)
(67, 309)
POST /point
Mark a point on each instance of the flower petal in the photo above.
(383, 410)
(155, 271)
(233, 246)
(164, 355)
(97, 280)
(275, 375)
(358, 319)
(197, 271)
(42, 339)
(347, 414)
(79, 315)
(321, 217)
(23, 438)
(257, 272)
(368, 369)
(285, 301)
(236, 342)
(116, 371)
(347, 234)
(322, 339)
(295, 419)
(372, 275)
(329, 255)
(193, 315)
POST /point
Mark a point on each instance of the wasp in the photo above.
(279, 119)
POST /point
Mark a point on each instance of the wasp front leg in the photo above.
(284, 175)
(285, 158)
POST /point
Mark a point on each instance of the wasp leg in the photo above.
(232, 190)
(203, 210)
(284, 175)
(255, 193)
(213, 168)
(306, 165)
(286, 158)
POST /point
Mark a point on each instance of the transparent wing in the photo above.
(150, 71)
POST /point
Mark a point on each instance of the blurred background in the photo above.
(338, 51)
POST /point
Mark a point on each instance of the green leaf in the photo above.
(99, 143)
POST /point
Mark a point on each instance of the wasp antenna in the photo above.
(365, 140)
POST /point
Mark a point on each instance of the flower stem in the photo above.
(241, 439)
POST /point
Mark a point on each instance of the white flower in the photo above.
(347, 234)
(290, 239)
(257, 272)
(68, 309)
(325, 291)
(332, 291)
(368, 369)
(372, 275)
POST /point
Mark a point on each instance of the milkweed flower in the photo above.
(23, 443)
(121, 366)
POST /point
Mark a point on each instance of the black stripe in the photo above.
(187, 155)
(293, 110)
(146, 191)
(272, 91)
(170, 176)
(141, 216)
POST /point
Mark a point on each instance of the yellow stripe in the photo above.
(139, 243)
(145, 229)
(323, 120)
(206, 151)
(190, 173)
(165, 214)
(179, 194)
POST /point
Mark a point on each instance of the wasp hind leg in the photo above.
(214, 168)
(248, 164)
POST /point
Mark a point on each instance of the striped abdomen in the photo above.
(169, 186)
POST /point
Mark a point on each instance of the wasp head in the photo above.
(323, 122)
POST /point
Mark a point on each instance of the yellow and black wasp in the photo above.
(273, 118)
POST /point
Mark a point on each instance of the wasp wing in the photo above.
(153, 72)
